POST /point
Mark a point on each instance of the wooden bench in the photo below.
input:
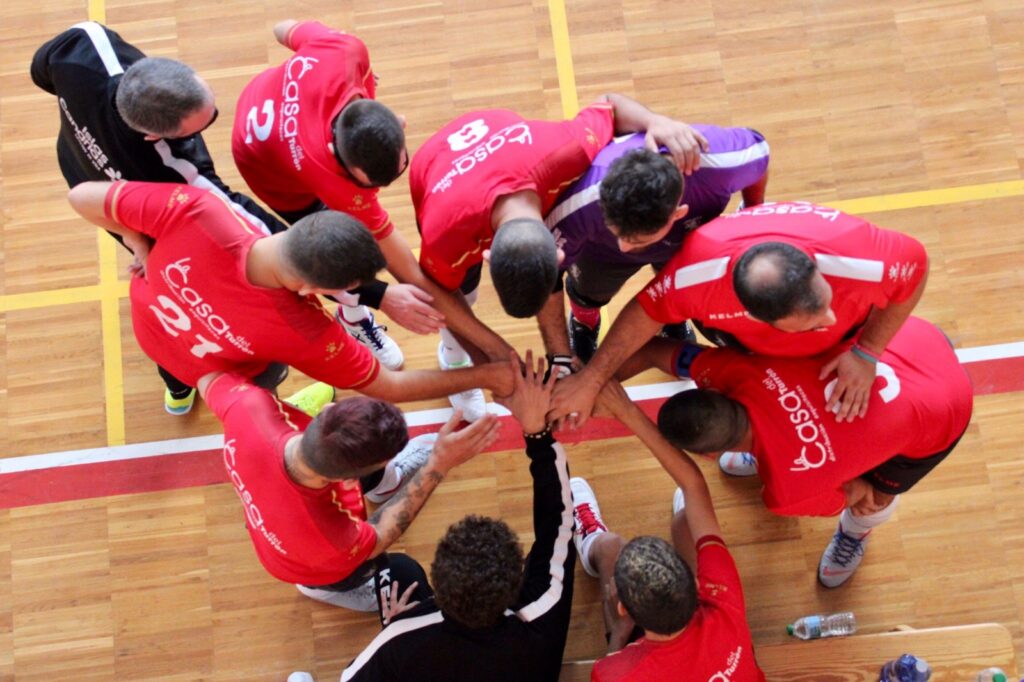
(955, 654)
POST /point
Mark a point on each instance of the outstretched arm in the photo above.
(451, 449)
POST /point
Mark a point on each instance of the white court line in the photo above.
(418, 418)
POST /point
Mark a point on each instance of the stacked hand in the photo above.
(409, 306)
(531, 394)
(852, 392)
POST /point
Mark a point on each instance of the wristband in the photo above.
(539, 435)
(371, 293)
(863, 354)
(561, 363)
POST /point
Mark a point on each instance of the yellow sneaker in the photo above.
(313, 398)
(179, 406)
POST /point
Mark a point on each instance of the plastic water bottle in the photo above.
(992, 675)
(813, 627)
(906, 668)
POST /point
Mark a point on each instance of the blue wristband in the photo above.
(863, 354)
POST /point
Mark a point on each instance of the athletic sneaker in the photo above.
(682, 331)
(179, 406)
(406, 463)
(678, 501)
(373, 336)
(300, 676)
(472, 401)
(738, 464)
(313, 398)
(362, 598)
(587, 520)
(583, 339)
(841, 558)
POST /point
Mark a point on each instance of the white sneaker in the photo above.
(738, 464)
(841, 558)
(678, 501)
(373, 336)
(300, 676)
(587, 520)
(472, 401)
(362, 598)
(406, 463)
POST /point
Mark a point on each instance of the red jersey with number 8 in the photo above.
(195, 310)
(283, 126)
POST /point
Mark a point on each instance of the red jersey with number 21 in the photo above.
(921, 401)
(460, 172)
(714, 647)
(865, 265)
(301, 535)
(196, 312)
(283, 126)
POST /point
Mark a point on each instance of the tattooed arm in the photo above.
(451, 449)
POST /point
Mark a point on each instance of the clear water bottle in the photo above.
(906, 668)
(814, 627)
(992, 675)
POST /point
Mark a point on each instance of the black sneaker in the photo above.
(583, 339)
(680, 332)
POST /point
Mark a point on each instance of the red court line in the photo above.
(190, 469)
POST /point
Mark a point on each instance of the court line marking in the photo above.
(563, 58)
(414, 419)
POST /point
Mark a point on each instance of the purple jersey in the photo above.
(738, 157)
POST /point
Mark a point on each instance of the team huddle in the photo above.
(814, 374)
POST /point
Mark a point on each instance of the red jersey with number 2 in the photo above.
(714, 647)
(460, 172)
(865, 265)
(301, 535)
(283, 126)
(920, 403)
(195, 311)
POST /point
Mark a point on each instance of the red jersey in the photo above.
(920, 403)
(865, 265)
(460, 172)
(195, 311)
(301, 535)
(714, 647)
(283, 126)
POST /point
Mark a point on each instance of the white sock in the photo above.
(453, 352)
(585, 551)
(353, 314)
(472, 296)
(390, 479)
(859, 526)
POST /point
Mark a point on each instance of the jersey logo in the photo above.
(468, 135)
(732, 663)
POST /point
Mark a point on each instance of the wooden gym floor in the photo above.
(910, 112)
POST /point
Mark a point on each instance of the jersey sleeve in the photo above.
(736, 159)
(661, 301)
(224, 391)
(906, 262)
(361, 204)
(335, 358)
(305, 31)
(593, 127)
(148, 207)
(718, 580)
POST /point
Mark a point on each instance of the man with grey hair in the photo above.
(125, 116)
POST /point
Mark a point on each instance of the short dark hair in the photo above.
(477, 571)
(640, 192)
(773, 281)
(155, 95)
(351, 435)
(369, 136)
(332, 250)
(700, 420)
(655, 585)
(524, 266)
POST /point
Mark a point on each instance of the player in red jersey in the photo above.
(481, 187)
(309, 135)
(218, 295)
(790, 279)
(692, 630)
(301, 482)
(810, 464)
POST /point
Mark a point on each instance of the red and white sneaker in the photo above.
(738, 464)
(588, 524)
(841, 558)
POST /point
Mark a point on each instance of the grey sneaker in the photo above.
(841, 558)
(407, 462)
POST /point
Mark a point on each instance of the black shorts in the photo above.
(900, 473)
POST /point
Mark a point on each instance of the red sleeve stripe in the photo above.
(710, 540)
(110, 202)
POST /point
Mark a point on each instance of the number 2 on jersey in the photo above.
(262, 130)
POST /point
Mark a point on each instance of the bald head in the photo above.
(524, 266)
(774, 280)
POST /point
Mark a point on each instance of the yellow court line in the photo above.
(55, 297)
(563, 58)
(97, 11)
(931, 197)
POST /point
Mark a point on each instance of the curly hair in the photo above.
(351, 435)
(655, 585)
(477, 571)
(640, 192)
